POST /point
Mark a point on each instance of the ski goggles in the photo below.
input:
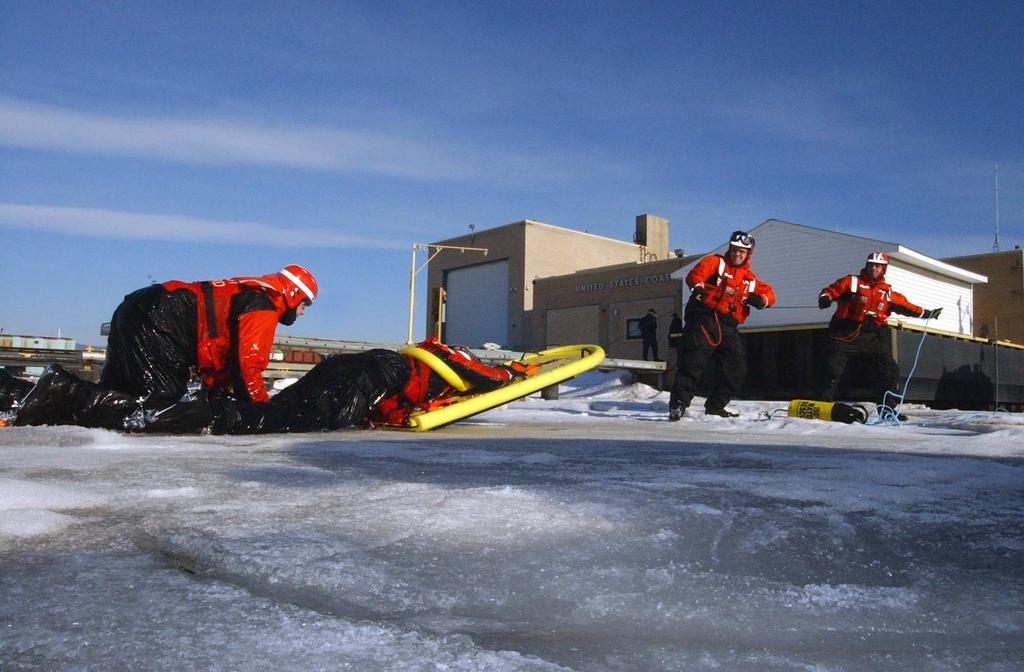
(741, 239)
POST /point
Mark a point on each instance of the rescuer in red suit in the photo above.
(221, 329)
(858, 327)
(723, 288)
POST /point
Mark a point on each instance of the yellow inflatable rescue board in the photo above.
(547, 367)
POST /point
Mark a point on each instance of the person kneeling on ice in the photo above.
(858, 328)
(224, 329)
(723, 289)
(163, 334)
(364, 389)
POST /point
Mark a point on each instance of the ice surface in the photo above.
(580, 534)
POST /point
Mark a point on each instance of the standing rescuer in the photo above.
(723, 288)
(858, 327)
(222, 329)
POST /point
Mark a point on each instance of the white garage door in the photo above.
(476, 307)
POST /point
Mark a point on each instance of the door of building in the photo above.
(476, 305)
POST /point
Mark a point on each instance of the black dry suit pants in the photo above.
(868, 344)
(706, 337)
(152, 344)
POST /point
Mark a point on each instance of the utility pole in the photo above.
(995, 244)
(437, 249)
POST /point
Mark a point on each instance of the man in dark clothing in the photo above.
(858, 327)
(675, 331)
(723, 290)
(649, 333)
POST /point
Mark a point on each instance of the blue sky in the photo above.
(144, 141)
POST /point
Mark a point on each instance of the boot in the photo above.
(675, 413)
(11, 389)
(185, 417)
(887, 413)
(721, 412)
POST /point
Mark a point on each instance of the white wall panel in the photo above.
(929, 290)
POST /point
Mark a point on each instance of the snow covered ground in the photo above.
(580, 534)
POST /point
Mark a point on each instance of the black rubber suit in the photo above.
(338, 392)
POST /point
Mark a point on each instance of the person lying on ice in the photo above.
(363, 389)
(376, 387)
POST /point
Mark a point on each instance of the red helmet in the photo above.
(877, 257)
(299, 285)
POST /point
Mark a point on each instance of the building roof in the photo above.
(913, 258)
(895, 251)
(531, 222)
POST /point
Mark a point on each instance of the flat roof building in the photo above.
(998, 304)
(490, 298)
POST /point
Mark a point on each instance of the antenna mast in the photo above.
(995, 243)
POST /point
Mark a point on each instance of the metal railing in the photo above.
(86, 360)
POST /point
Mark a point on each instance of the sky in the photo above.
(149, 141)
(585, 533)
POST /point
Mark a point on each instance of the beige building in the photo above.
(490, 297)
(604, 306)
(999, 304)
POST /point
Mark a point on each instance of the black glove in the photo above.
(698, 293)
(824, 301)
(755, 300)
(929, 314)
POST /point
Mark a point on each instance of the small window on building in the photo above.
(633, 328)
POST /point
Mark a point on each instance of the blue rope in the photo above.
(890, 415)
(980, 414)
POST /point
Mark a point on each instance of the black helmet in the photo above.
(742, 239)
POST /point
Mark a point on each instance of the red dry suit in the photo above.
(235, 324)
(859, 298)
(858, 330)
(724, 288)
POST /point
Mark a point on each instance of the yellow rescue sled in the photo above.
(544, 368)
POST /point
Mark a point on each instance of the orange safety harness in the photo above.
(213, 312)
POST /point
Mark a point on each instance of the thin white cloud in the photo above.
(843, 114)
(35, 126)
(121, 225)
